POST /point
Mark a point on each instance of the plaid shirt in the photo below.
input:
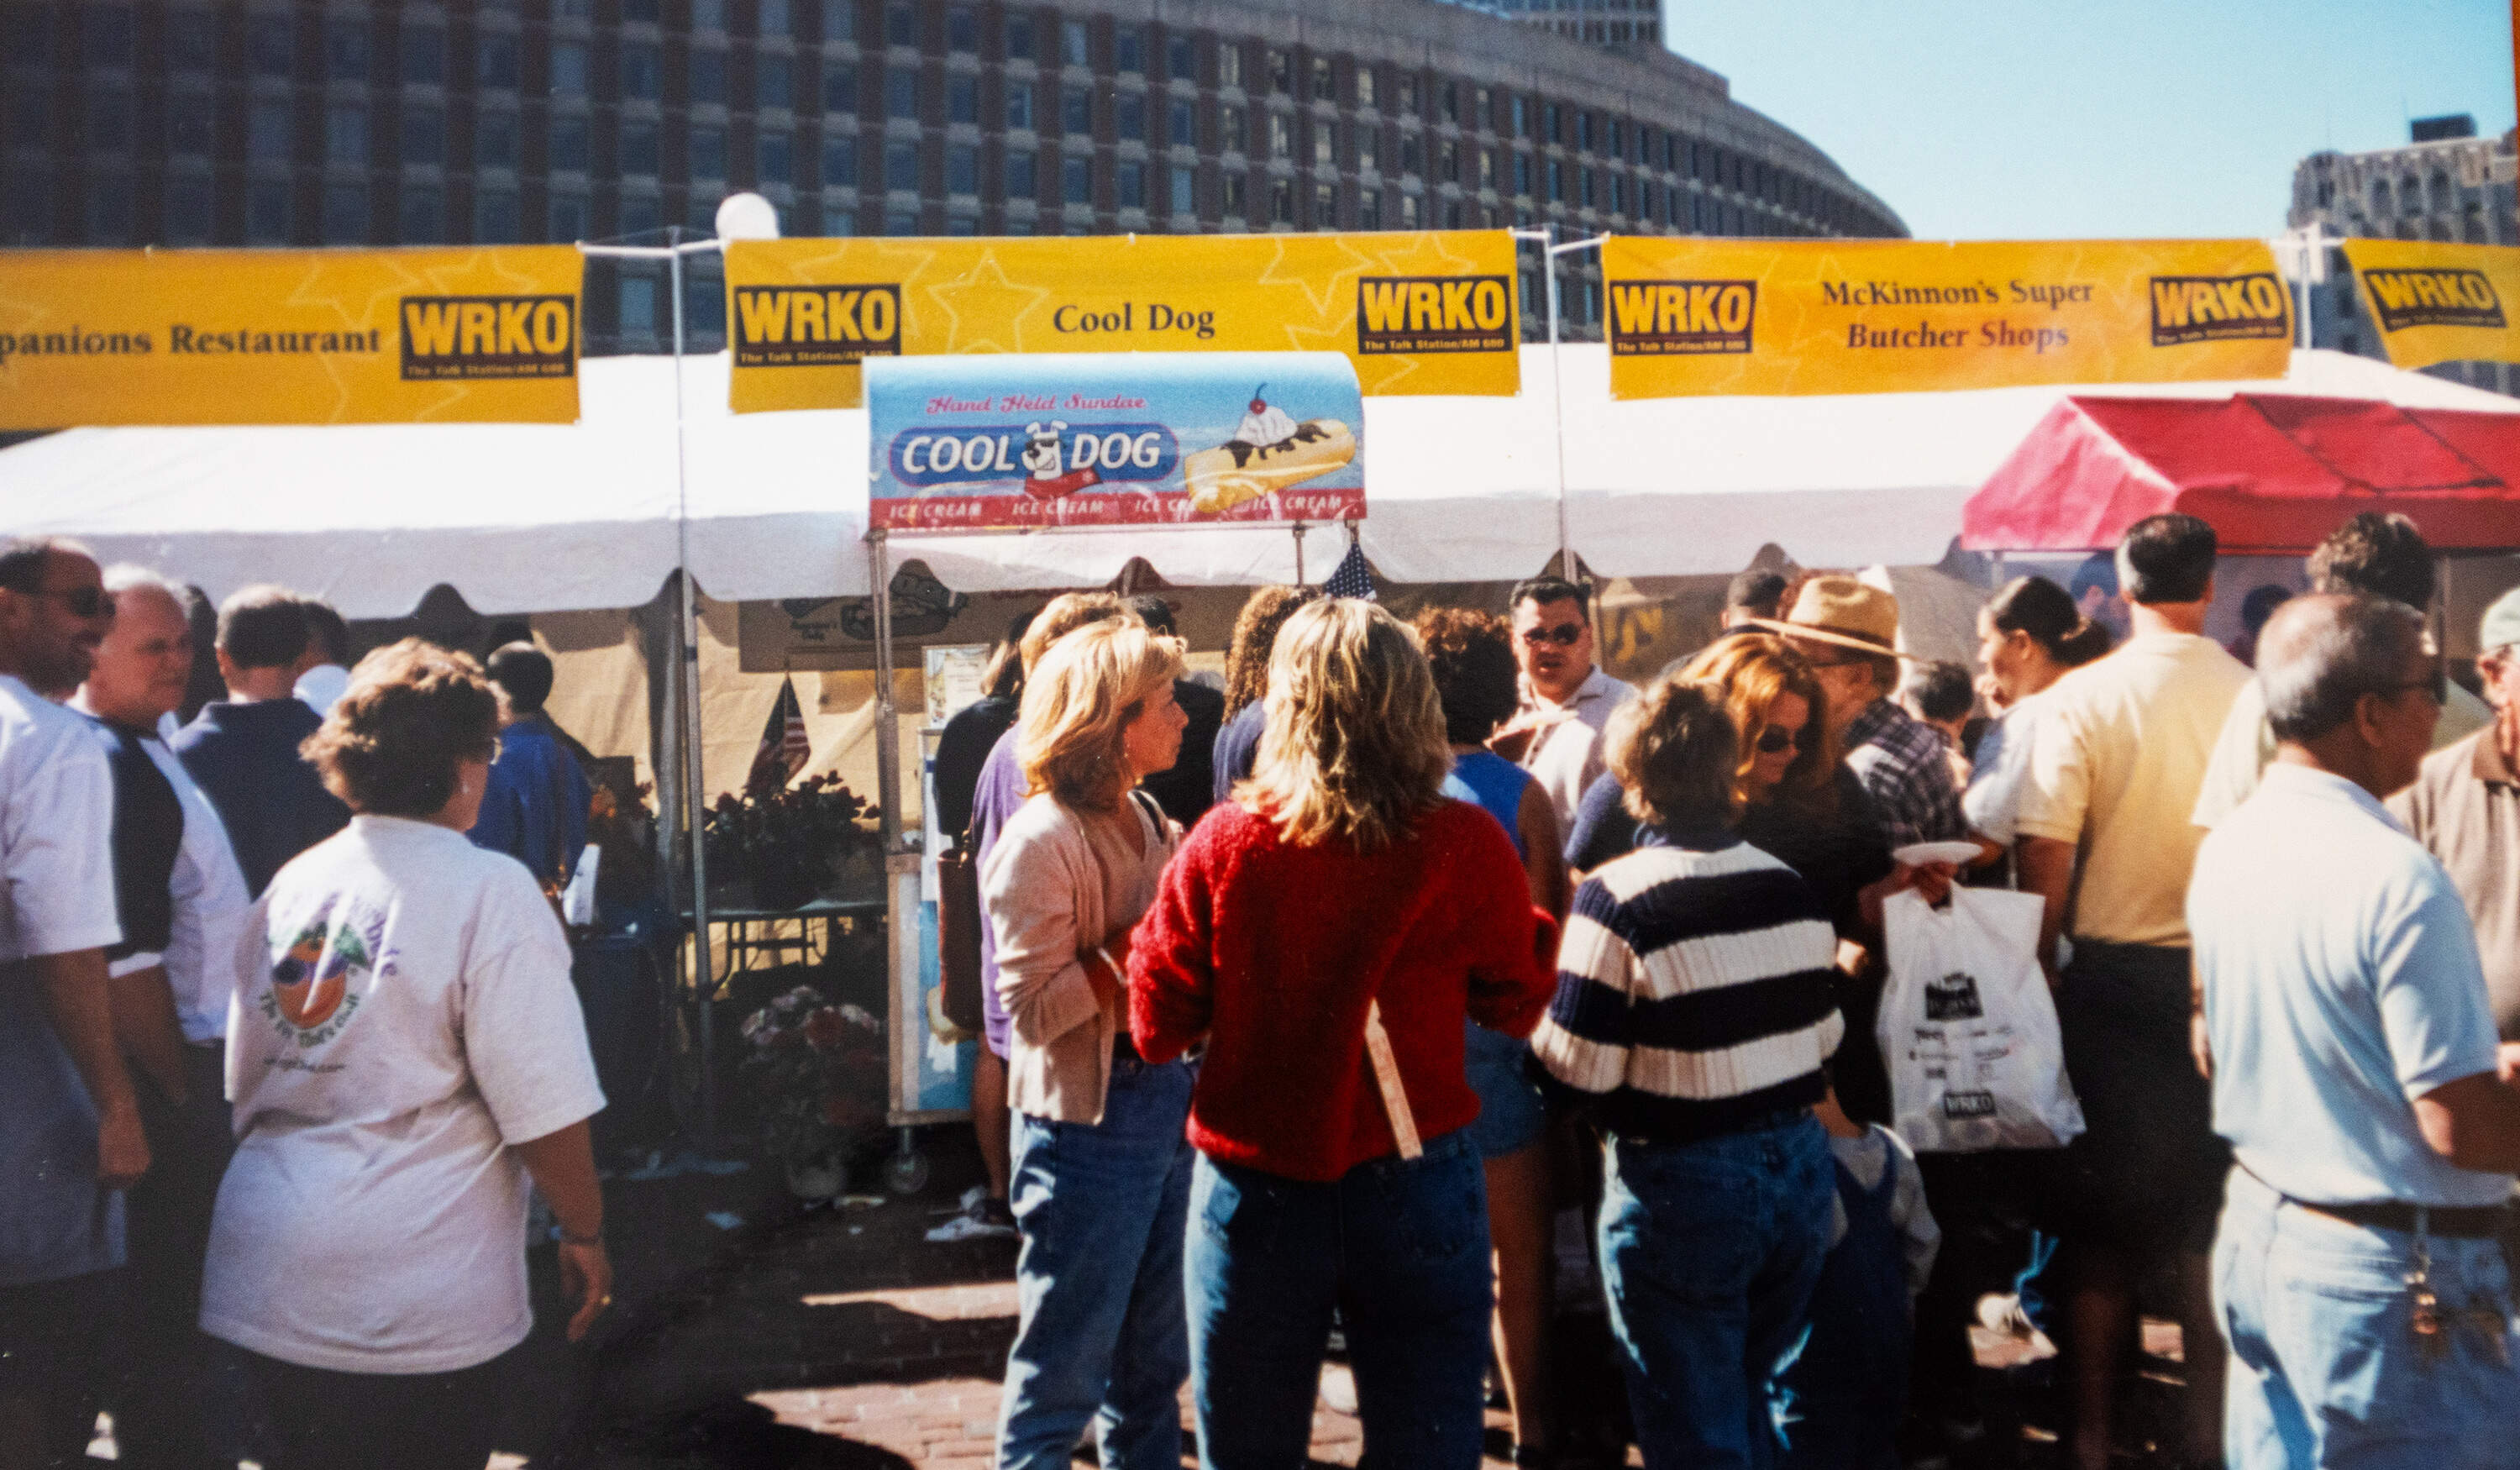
(1901, 762)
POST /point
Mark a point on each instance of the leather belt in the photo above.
(2466, 1221)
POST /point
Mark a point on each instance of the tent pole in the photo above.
(887, 724)
(688, 673)
(1299, 554)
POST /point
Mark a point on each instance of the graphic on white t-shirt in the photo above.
(315, 982)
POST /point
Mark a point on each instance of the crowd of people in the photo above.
(1312, 1008)
(287, 1028)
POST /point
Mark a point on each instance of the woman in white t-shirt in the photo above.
(404, 1052)
(2029, 633)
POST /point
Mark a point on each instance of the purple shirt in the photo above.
(994, 801)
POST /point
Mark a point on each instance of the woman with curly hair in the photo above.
(405, 1055)
(1246, 679)
(1328, 932)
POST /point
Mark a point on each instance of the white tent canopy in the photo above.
(550, 517)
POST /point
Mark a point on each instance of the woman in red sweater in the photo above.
(1327, 932)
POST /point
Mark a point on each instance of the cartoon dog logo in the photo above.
(1046, 472)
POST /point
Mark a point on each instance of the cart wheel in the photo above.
(906, 1171)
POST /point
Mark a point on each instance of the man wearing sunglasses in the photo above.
(1566, 702)
(70, 1132)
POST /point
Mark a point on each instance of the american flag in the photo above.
(785, 745)
(1351, 578)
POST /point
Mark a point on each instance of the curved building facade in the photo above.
(268, 122)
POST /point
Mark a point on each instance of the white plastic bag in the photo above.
(577, 899)
(1967, 1028)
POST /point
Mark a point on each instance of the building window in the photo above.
(1557, 181)
(26, 201)
(1282, 201)
(108, 120)
(901, 93)
(1075, 110)
(639, 304)
(345, 214)
(963, 99)
(1450, 102)
(1128, 50)
(1521, 117)
(1325, 206)
(1522, 175)
(1133, 184)
(963, 30)
(1550, 119)
(1325, 84)
(901, 167)
(1369, 209)
(345, 56)
(496, 61)
(424, 137)
(641, 71)
(266, 211)
(775, 156)
(900, 25)
(1181, 58)
(1228, 65)
(1281, 74)
(839, 220)
(1020, 38)
(1480, 116)
(1368, 146)
(1021, 182)
(1325, 144)
(266, 131)
(1281, 135)
(188, 122)
(1230, 135)
(707, 74)
(1411, 211)
(773, 81)
(1180, 124)
(1583, 179)
(839, 19)
(1231, 197)
(1019, 105)
(708, 15)
(1452, 214)
(961, 168)
(191, 41)
(1448, 162)
(268, 45)
(494, 141)
(1182, 182)
(770, 17)
(641, 213)
(345, 137)
(839, 162)
(839, 87)
(901, 222)
(569, 68)
(639, 148)
(1364, 86)
(1071, 43)
(568, 143)
(109, 209)
(188, 208)
(1408, 152)
(1407, 92)
(1487, 169)
(1129, 117)
(1076, 177)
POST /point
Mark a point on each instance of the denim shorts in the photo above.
(1512, 1116)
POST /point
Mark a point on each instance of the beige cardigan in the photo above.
(1042, 889)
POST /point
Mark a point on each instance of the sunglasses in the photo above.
(82, 602)
(1563, 635)
(1775, 739)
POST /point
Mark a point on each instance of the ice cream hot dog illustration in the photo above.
(1269, 451)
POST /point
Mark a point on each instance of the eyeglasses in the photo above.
(2436, 684)
(1564, 635)
(82, 602)
(1776, 738)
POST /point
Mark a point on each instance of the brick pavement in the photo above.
(841, 1338)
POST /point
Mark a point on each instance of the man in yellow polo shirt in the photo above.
(2119, 753)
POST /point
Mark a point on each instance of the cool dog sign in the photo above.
(1022, 442)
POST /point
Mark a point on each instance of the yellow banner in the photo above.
(2441, 303)
(1419, 313)
(1694, 316)
(92, 337)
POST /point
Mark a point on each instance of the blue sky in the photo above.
(1981, 120)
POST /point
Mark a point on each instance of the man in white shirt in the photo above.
(70, 1132)
(183, 905)
(2376, 555)
(1566, 700)
(2356, 1074)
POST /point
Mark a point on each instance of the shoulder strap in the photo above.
(1386, 1077)
(1146, 804)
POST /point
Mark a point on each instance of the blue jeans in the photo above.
(1099, 1336)
(1709, 1252)
(2324, 1369)
(1400, 1249)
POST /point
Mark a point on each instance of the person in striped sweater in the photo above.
(1693, 1022)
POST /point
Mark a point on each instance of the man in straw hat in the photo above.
(2116, 758)
(1849, 631)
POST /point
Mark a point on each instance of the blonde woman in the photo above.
(1101, 1167)
(1339, 892)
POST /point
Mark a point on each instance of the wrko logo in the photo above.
(1434, 314)
(815, 326)
(1674, 318)
(488, 336)
(2217, 309)
(2433, 299)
